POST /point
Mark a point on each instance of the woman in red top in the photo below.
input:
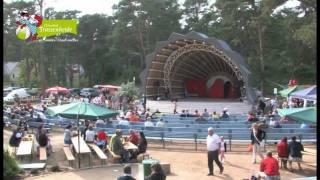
(282, 148)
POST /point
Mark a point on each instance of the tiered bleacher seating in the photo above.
(186, 128)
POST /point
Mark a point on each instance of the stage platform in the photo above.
(166, 106)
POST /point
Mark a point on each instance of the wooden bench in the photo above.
(69, 155)
(33, 166)
(43, 153)
(99, 152)
(114, 156)
(143, 156)
(166, 168)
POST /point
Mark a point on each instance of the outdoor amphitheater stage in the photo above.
(192, 104)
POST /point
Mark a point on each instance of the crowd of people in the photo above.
(286, 152)
(205, 114)
(216, 146)
(115, 144)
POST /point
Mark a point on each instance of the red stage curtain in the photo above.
(191, 86)
(202, 89)
(216, 90)
(196, 86)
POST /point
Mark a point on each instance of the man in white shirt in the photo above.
(160, 123)
(99, 121)
(148, 123)
(90, 135)
(213, 147)
(124, 122)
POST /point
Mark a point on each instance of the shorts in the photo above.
(295, 159)
(67, 142)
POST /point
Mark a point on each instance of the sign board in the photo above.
(275, 91)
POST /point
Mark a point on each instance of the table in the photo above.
(129, 145)
(84, 148)
(26, 146)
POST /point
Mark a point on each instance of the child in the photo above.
(223, 149)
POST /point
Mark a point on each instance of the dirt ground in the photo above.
(185, 164)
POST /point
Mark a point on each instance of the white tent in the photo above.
(22, 93)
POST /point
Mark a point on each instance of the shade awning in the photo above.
(85, 111)
(308, 93)
(308, 114)
(287, 92)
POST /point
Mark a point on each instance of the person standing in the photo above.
(270, 167)
(257, 137)
(213, 147)
(295, 154)
(67, 135)
(282, 148)
(223, 149)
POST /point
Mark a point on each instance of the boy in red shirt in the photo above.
(270, 167)
(282, 148)
(133, 138)
(101, 139)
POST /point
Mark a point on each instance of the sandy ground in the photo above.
(185, 164)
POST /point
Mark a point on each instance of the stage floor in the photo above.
(192, 104)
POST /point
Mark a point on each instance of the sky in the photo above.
(105, 6)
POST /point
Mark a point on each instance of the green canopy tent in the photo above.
(81, 110)
(288, 91)
(304, 115)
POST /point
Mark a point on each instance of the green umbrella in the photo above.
(81, 110)
(307, 114)
(288, 91)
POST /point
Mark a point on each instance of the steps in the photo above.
(200, 105)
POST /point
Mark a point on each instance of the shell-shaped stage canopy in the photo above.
(195, 57)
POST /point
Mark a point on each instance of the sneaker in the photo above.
(210, 174)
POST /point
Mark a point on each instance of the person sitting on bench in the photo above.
(101, 139)
(16, 137)
(117, 146)
(89, 138)
(44, 141)
(142, 145)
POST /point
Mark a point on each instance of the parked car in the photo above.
(85, 92)
(8, 90)
(75, 91)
